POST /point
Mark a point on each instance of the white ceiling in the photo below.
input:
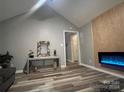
(80, 12)
(10, 8)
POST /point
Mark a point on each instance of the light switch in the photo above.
(61, 45)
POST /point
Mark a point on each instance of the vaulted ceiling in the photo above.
(78, 12)
(10, 8)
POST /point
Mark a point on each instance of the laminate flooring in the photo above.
(74, 78)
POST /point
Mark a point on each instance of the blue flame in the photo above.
(113, 60)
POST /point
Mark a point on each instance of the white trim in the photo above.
(69, 60)
(104, 71)
(72, 52)
(19, 71)
(79, 56)
(63, 66)
(79, 49)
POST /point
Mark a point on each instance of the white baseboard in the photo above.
(63, 66)
(103, 70)
(69, 60)
(19, 71)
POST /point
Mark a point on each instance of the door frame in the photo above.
(79, 54)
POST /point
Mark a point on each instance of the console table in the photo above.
(55, 64)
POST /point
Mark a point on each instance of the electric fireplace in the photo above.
(115, 59)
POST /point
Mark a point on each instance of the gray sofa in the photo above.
(7, 78)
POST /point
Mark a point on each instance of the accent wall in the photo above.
(108, 32)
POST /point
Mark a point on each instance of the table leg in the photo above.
(28, 67)
(56, 64)
(57, 61)
(44, 63)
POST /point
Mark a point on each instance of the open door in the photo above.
(74, 47)
(71, 47)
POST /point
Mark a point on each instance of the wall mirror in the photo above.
(43, 49)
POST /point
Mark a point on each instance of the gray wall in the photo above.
(21, 36)
(86, 43)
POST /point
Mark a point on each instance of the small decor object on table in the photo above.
(31, 54)
(5, 60)
(52, 52)
(55, 53)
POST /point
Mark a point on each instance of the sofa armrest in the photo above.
(1, 80)
(5, 73)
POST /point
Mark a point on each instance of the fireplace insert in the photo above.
(111, 58)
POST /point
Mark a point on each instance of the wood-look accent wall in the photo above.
(108, 32)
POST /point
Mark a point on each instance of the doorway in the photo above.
(71, 48)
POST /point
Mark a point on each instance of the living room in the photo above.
(26, 24)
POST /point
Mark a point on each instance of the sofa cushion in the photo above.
(1, 80)
(7, 78)
(6, 73)
(0, 67)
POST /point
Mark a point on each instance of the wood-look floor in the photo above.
(72, 79)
